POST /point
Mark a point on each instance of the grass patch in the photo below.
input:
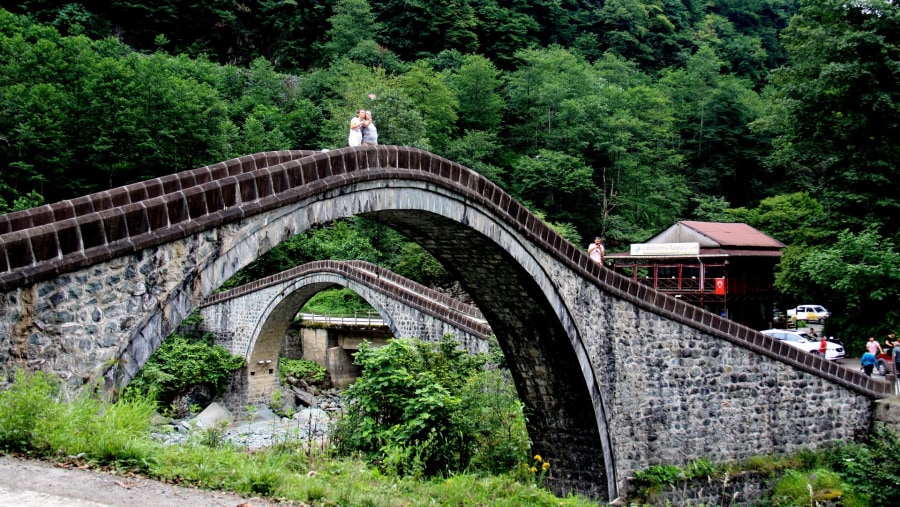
(35, 421)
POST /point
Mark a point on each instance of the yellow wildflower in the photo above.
(546, 465)
(537, 457)
(533, 470)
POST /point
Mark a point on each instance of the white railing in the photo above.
(368, 318)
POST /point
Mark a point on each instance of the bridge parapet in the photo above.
(425, 299)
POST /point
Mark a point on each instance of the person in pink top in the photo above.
(873, 346)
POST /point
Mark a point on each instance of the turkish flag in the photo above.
(720, 286)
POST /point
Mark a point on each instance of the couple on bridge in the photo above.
(362, 129)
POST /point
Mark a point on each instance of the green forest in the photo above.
(613, 118)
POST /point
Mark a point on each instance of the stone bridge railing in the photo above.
(40, 243)
(416, 295)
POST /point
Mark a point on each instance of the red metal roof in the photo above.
(733, 234)
(716, 239)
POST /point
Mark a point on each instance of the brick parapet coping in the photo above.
(44, 242)
(461, 315)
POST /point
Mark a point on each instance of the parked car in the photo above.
(800, 339)
(809, 313)
(884, 364)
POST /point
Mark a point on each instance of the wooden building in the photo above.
(725, 268)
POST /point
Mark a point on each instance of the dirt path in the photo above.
(28, 483)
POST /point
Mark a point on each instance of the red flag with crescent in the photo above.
(720, 286)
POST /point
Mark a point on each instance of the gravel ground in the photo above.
(309, 426)
(29, 483)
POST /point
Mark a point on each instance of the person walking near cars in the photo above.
(823, 346)
(896, 368)
(874, 347)
(868, 362)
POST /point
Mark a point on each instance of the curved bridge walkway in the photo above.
(614, 375)
(252, 320)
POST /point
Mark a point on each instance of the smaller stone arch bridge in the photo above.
(252, 320)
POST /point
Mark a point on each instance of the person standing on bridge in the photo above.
(355, 138)
(369, 132)
(596, 250)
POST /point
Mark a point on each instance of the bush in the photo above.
(419, 409)
(337, 302)
(872, 468)
(492, 415)
(302, 369)
(183, 362)
(22, 408)
(802, 488)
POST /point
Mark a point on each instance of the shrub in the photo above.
(302, 369)
(337, 302)
(872, 468)
(801, 488)
(33, 420)
(396, 402)
(492, 417)
(656, 477)
(182, 362)
(407, 410)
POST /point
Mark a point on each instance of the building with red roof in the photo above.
(726, 268)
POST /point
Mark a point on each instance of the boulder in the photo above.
(213, 415)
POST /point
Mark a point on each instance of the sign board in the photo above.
(665, 249)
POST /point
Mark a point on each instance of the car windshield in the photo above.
(798, 337)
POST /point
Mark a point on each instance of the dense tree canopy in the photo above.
(611, 118)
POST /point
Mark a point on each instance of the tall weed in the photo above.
(24, 407)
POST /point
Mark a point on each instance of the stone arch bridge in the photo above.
(615, 376)
(252, 320)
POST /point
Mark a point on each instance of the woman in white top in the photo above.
(596, 250)
(355, 138)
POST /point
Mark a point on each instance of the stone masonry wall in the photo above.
(77, 325)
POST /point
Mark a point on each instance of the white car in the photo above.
(816, 313)
(801, 340)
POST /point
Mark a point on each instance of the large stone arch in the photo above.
(530, 318)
